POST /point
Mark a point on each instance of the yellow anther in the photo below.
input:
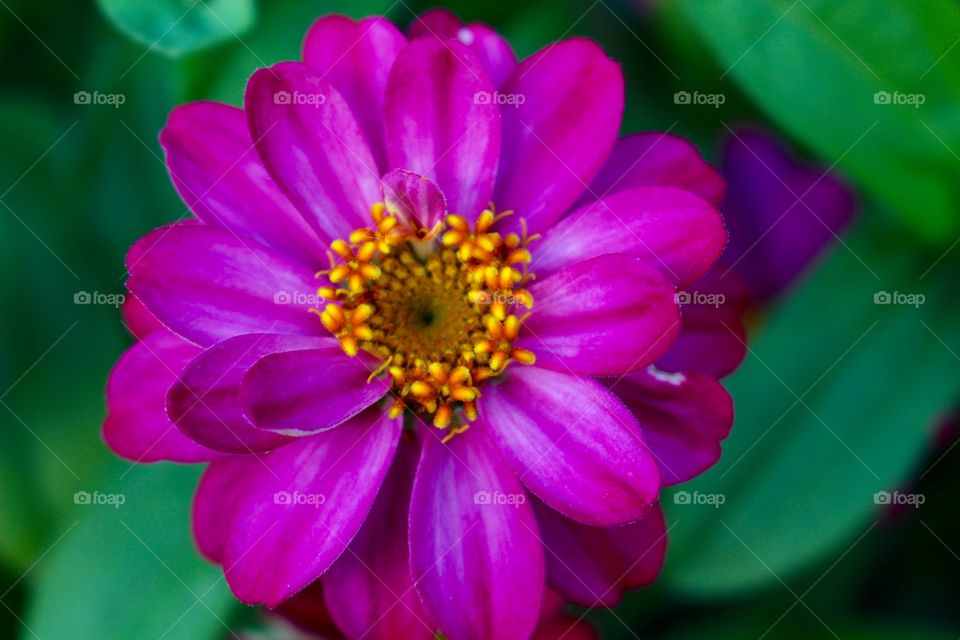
(422, 389)
(442, 417)
(523, 356)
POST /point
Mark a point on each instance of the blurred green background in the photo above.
(838, 399)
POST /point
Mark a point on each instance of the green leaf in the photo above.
(819, 69)
(799, 476)
(176, 27)
(129, 570)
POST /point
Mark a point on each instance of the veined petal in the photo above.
(208, 284)
(313, 147)
(304, 505)
(439, 124)
(369, 590)
(206, 402)
(608, 315)
(490, 47)
(655, 159)
(592, 566)
(413, 198)
(683, 418)
(222, 484)
(573, 444)
(674, 230)
(355, 56)
(475, 551)
(215, 167)
(137, 426)
(559, 137)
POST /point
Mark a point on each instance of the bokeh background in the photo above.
(838, 399)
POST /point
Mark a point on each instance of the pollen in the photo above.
(441, 309)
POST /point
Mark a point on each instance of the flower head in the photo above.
(425, 329)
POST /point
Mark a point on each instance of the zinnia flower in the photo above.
(351, 331)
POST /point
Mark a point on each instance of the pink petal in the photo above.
(559, 137)
(206, 402)
(592, 566)
(139, 321)
(207, 284)
(413, 198)
(490, 47)
(673, 230)
(216, 170)
(222, 484)
(609, 315)
(303, 391)
(439, 125)
(683, 417)
(313, 147)
(573, 444)
(355, 57)
(369, 590)
(475, 551)
(655, 159)
(712, 337)
(304, 505)
(137, 426)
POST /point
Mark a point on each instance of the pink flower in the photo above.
(416, 420)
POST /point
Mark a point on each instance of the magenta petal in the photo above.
(592, 566)
(369, 590)
(559, 137)
(138, 319)
(573, 444)
(657, 159)
(299, 392)
(207, 284)
(712, 337)
(217, 172)
(313, 147)
(305, 504)
(413, 199)
(683, 417)
(206, 401)
(137, 426)
(674, 230)
(609, 315)
(222, 484)
(355, 57)
(474, 546)
(490, 47)
(439, 125)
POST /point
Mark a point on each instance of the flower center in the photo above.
(438, 310)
